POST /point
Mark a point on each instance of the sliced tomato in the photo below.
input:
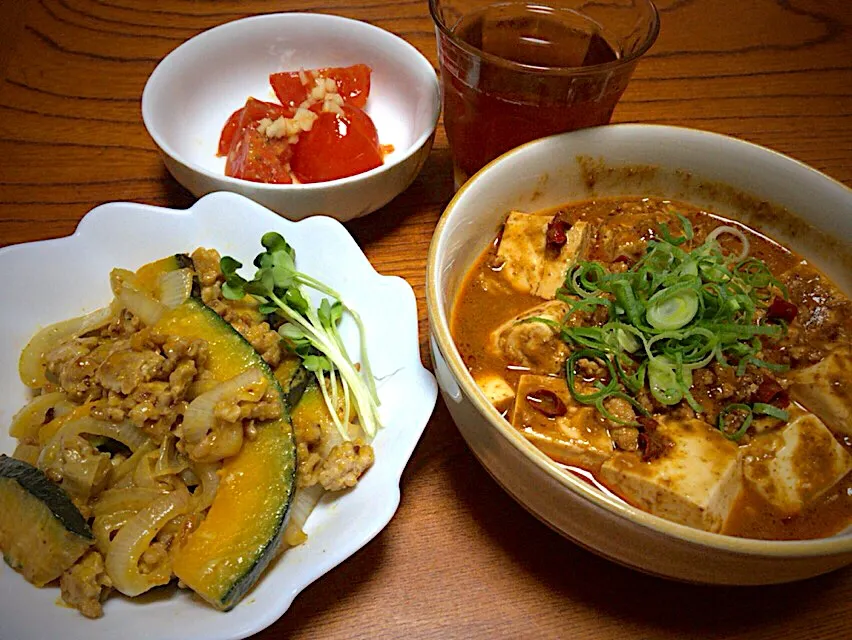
(337, 146)
(249, 116)
(228, 132)
(255, 157)
(353, 84)
(289, 89)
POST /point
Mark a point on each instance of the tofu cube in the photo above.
(554, 266)
(522, 248)
(496, 389)
(529, 266)
(793, 466)
(534, 345)
(822, 389)
(694, 482)
(578, 437)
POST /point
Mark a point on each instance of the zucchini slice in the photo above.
(242, 532)
(41, 531)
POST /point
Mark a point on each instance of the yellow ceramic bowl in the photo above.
(734, 178)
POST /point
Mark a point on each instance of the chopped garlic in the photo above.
(302, 120)
(276, 129)
(263, 126)
(332, 103)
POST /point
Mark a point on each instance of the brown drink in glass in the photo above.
(515, 71)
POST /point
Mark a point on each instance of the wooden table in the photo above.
(460, 559)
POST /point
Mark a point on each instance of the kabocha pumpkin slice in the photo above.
(41, 531)
(242, 531)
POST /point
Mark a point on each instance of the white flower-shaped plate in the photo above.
(56, 279)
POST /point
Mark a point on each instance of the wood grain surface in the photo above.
(460, 559)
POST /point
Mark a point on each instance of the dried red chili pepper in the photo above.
(652, 443)
(547, 402)
(770, 392)
(780, 309)
(557, 231)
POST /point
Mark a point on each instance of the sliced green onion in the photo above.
(663, 383)
(669, 311)
(674, 311)
(739, 433)
(770, 410)
(604, 390)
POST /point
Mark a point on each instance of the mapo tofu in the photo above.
(695, 367)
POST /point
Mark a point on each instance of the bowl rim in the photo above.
(439, 326)
(413, 148)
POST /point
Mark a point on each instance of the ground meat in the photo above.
(625, 438)
(146, 379)
(124, 325)
(76, 376)
(85, 585)
(123, 371)
(716, 386)
(69, 351)
(265, 341)
(206, 263)
(232, 409)
(621, 409)
(184, 374)
(240, 314)
(344, 465)
(156, 555)
(824, 318)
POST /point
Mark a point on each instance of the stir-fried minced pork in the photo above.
(241, 314)
(86, 584)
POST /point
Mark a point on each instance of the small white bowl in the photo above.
(734, 178)
(196, 87)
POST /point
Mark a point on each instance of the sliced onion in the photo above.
(118, 277)
(304, 502)
(713, 235)
(31, 366)
(175, 287)
(126, 433)
(141, 304)
(134, 538)
(128, 466)
(169, 460)
(208, 478)
(189, 478)
(143, 474)
(199, 419)
(104, 526)
(131, 499)
(27, 422)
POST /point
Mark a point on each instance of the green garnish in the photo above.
(604, 390)
(311, 332)
(673, 312)
(747, 414)
(732, 411)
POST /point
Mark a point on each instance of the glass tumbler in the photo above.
(512, 72)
